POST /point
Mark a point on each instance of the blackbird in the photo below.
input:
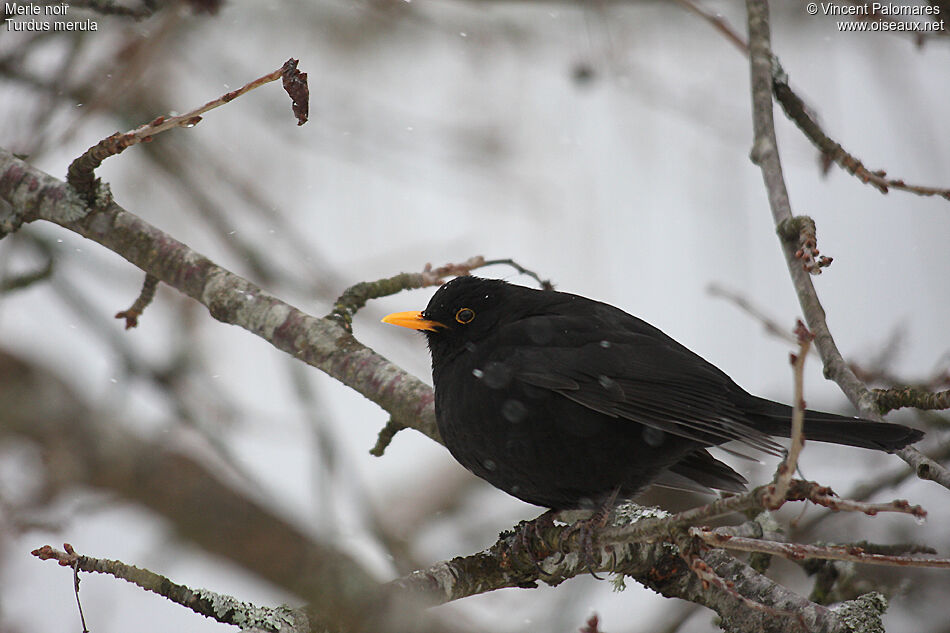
(566, 402)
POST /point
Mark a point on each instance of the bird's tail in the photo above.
(776, 419)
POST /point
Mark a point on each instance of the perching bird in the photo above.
(566, 402)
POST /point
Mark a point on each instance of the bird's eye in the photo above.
(465, 315)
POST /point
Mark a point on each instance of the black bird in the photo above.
(564, 402)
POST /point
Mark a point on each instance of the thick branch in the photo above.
(638, 545)
(320, 342)
(658, 566)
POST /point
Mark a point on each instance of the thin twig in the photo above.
(938, 378)
(653, 529)
(19, 281)
(719, 23)
(867, 489)
(836, 503)
(832, 151)
(355, 297)
(75, 566)
(219, 607)
(800, 551)
(783, 474)
(691, 554)
(545, 284)
(801, 114)
(81, 172)
(385, 437)
(920, 396)
(132, 314)
(769, 324)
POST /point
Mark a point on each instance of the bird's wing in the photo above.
(640, 377)
(702, 470)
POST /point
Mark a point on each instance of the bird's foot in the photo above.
(529, 535)
(585, 528)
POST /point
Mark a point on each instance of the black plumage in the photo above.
(561, 400)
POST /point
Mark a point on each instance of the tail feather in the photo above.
(776, 419)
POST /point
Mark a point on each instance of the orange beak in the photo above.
(412, 320)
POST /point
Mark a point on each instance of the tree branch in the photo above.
(746, 601)
(220, 607)
(799, 112)
(799, 551)
(765, 155)
(81, 171)
(890, 399)
(87, 447)
(786, 469)
(321, 342)
(325, 344)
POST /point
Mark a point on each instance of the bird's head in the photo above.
(463, 311)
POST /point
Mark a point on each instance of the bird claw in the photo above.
(529, 533)
(584, 528)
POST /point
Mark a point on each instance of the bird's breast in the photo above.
(526, 440)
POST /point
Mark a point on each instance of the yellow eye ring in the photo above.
(465, 315)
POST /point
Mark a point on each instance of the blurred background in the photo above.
(602, 144)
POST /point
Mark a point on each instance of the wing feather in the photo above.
(644, 380)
